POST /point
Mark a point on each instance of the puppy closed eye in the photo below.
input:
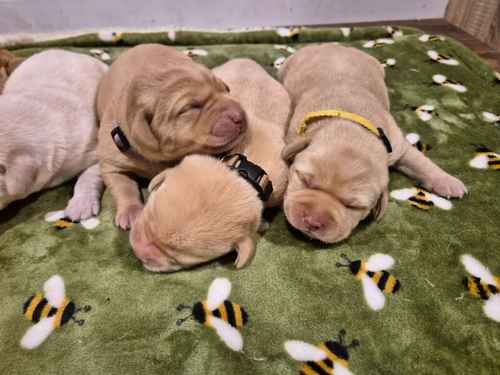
(3, 169)
(190, 109)
(307, 179)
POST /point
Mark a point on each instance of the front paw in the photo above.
(82, 207)
(126, 216)
(447, 186)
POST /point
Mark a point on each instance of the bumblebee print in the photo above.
(374, 277)
(327, 358)
(220, 314)
(483, 285)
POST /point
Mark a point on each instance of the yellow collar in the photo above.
(311, 116)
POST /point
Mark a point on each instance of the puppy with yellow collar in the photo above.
(341, 142)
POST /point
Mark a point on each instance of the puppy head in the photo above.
(181, 111)
(197, 211)
(331, 191)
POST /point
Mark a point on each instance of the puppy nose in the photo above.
(314, 223)
(231, 124)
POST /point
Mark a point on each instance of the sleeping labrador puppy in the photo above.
(48, 130)
(196, 212)
(339, 170)
(155, 107)
(8, 62)
(204, 208)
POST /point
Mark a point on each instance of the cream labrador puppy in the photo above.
(202, 209)
(196, 212)
(339, 170)
(155, 107)
(48, 130)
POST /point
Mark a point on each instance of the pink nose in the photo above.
(230, 125)
(314, 223)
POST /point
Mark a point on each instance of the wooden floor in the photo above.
(441, 26)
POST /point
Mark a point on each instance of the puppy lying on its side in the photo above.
(160, 106)
(340, 161)
(8, 62)
(201, 209)
(48, 129)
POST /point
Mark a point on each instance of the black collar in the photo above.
(252, 173)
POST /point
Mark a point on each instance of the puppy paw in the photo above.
(82, 207)
(447, 186)
(125, 217)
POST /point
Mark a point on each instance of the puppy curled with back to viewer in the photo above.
(203, 208)
(161, 106)
(340, 159)
(48, 130)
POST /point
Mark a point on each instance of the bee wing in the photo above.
(442, 203)
(373, 295)
(218, 292)
(37, 333)
(302, 351)
(340, 370)
(379, 262)
(479, 162)
(403, 194)
(54, 290)
(476, 268)
(492, 307)
(230, 335)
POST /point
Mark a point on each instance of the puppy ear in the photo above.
(379, 209)
(157, 181)
(293, 148)
(246, 250)
(139, 108)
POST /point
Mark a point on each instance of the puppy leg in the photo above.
(127, 197)
(87, 195)
(417, 166)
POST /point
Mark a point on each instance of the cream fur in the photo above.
(267, 105)
(198, 211)
(48, 129)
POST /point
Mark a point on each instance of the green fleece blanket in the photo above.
(292, 289)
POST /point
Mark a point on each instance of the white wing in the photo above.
(442, 203)
(302, 351)
(413, 138)
(379, 262)
(230, 335)
(340, 370)
(54, 290)
(37, 334)
(403, 194)
(492, 308)
(479, 162)
(218, 292)
(475, 268)
(373, 295)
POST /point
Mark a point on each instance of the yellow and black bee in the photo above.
(414, 139)
(63, 223)
(374, 277)
(422, 199)
(48, 310)
(482, 284)
(485, 159)
(219, 313)
(330, 357)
